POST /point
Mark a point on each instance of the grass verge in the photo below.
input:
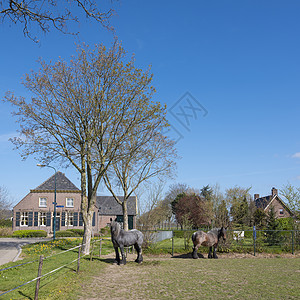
(62, 284)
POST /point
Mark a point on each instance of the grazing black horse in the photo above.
(122, 238)
(209, 239)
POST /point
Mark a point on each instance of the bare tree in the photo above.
(153, 199)
(147, 154)
(51, 13)
(82, 112)
(5, 202)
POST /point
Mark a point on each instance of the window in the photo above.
(24, 219)
(69, 202)
(43, 202)
(42, 219)
(281, 211)
(70, 219)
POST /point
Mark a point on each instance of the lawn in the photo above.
(159, 277)
(184, 278)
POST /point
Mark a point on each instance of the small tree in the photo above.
(222, 215)
(291, 196)
(260, 218)
(192, 208)
(273, 235)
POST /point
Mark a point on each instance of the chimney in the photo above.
(274, 192)
(256, 196)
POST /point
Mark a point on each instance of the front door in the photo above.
(57, 222)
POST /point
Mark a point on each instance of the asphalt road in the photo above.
(11, 248)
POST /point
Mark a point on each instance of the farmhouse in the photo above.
(265, 203)
(36, 209)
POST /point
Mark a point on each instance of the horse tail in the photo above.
(194, 236)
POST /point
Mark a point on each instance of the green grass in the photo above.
(63, 284)
(179, 278)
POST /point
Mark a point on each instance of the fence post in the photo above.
(254, 239)
(292, 241)
(38, 280)
(78, 260)
(172, 243)
(100, 249)
(91, 255)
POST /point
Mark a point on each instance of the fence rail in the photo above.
(237, 240)
(42, 258)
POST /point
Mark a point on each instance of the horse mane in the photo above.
(115, 228)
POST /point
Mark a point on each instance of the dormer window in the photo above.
(69, 202)
(43, 202)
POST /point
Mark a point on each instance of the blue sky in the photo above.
(236, 61)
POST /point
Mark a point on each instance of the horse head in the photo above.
(222, 233)
(115, 228)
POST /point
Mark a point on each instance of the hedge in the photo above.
(70, 233)
(29, 233)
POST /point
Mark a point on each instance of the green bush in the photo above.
(5, 223)
(78, 232)
(29, 233)
(183, 233)
(66, 233)
(286, 223)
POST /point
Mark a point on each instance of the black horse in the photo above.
(122, 238)
(209, 239)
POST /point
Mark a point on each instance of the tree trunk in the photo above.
(125, 214)
(86, 242)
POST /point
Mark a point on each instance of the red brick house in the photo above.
(36, 209)
(265, 203)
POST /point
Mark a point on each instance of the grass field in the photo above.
(159, 277)
(183, 278)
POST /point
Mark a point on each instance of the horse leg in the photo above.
(209, 253)
(214, 254)
(194, 254)
(123, 261)
(117, 260)
(138, 249)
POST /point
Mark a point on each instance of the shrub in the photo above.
(6, 231)
(29, 233)
(5, 223)
(78, 232)
(66, 233)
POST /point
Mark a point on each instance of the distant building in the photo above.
(36, 209)
(265, 203)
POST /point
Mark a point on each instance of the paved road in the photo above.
(10, 248)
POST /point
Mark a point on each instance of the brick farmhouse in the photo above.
(36, 209)
(265, 203)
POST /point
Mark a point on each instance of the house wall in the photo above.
(277, 207)
(30, 204)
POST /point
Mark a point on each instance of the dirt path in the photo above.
(123, 278)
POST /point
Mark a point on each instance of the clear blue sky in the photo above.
(238, 60)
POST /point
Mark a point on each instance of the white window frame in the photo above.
(44, 199)
(69, 219)
(68, 204)
(42, 219)
(281, 211)
(24, 219)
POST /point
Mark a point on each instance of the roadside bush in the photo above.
(6, 231)
(29, 233)
(5, 223)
